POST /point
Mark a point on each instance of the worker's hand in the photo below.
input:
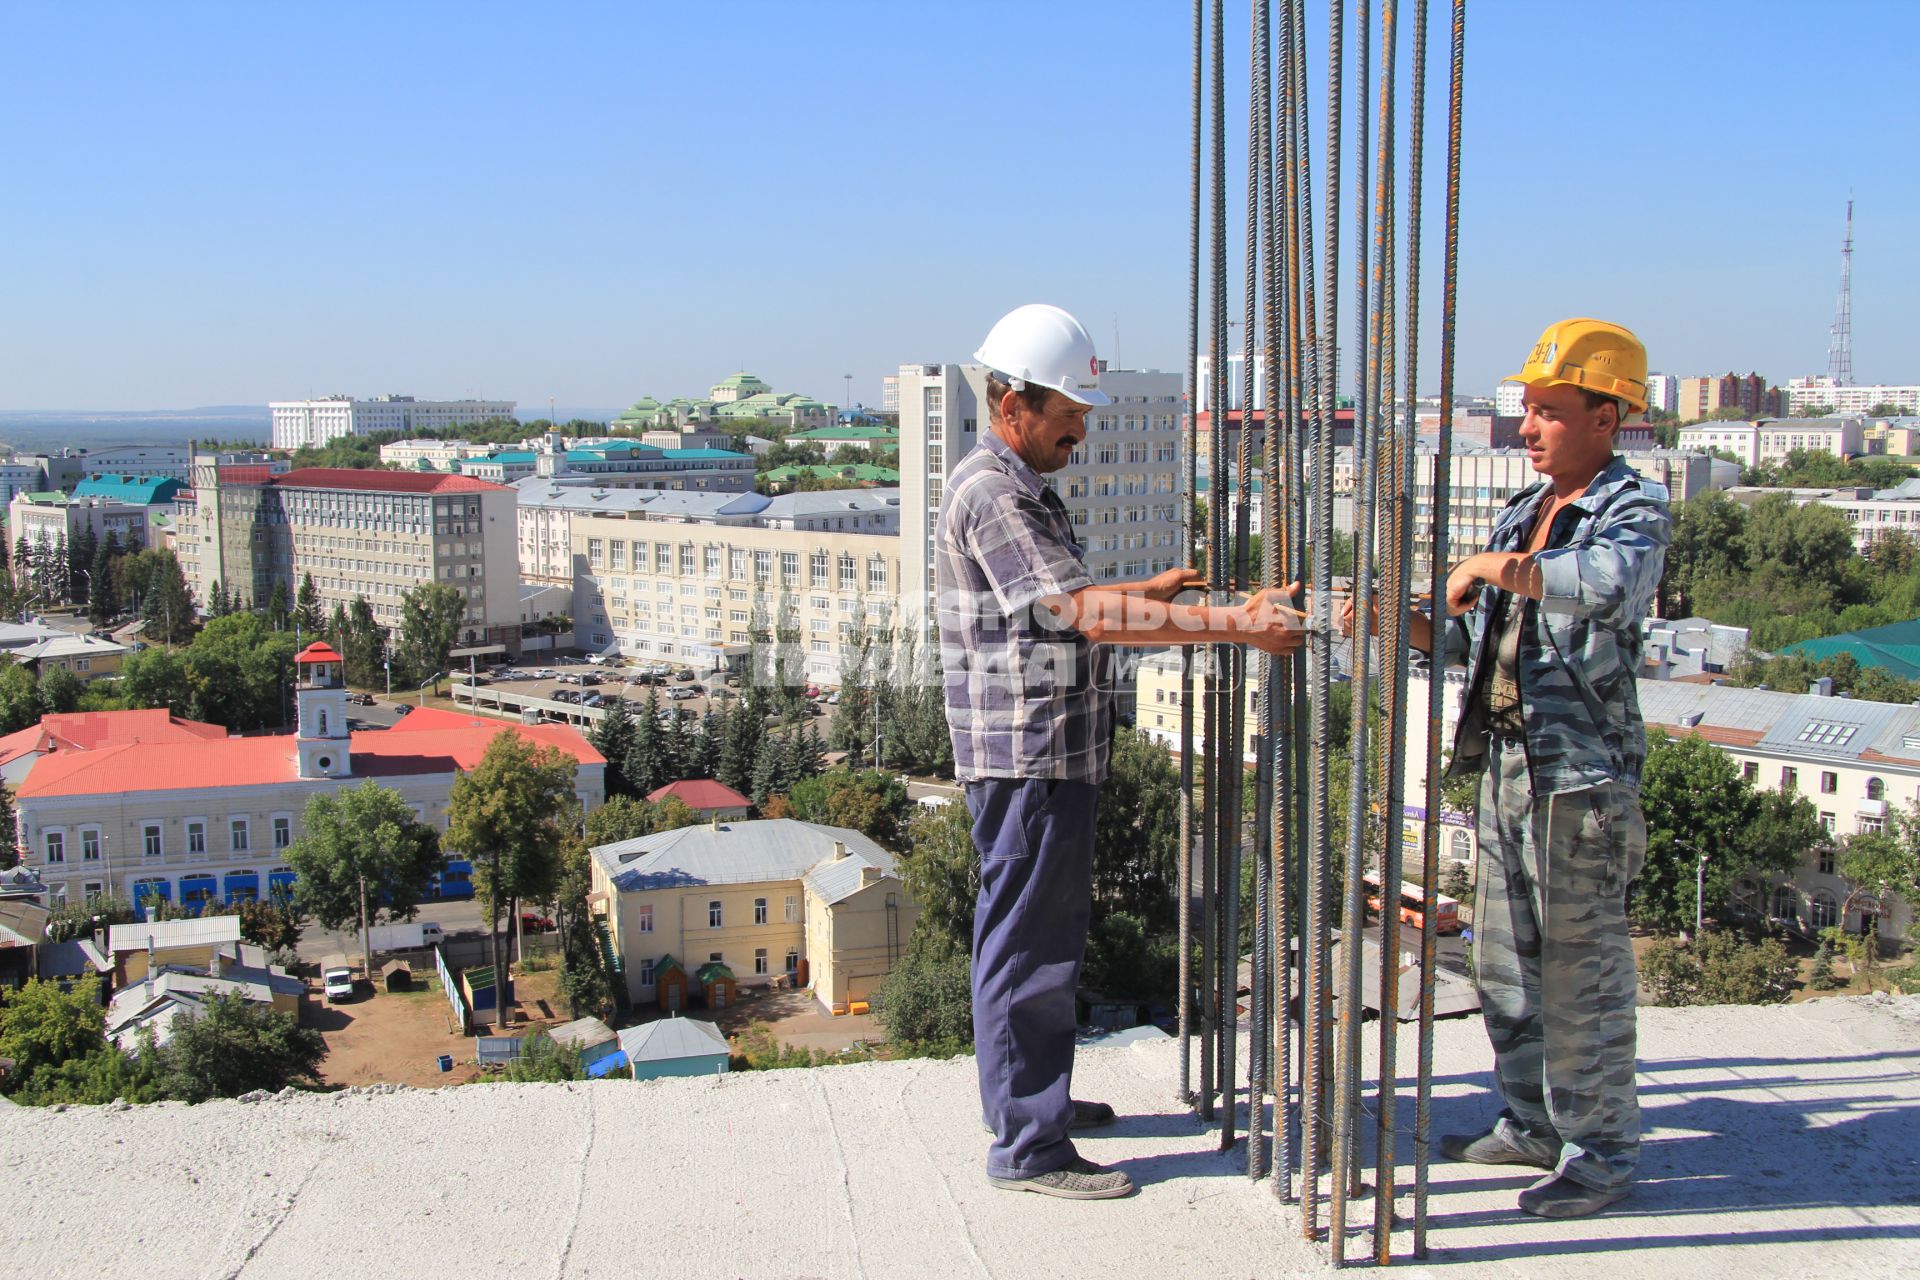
(1270, 623)
(1344, 620)
(1164, 586)
(1463, 587)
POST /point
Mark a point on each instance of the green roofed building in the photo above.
(1894, 648)
(146, 491)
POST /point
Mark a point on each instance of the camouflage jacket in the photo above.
(1581, 644)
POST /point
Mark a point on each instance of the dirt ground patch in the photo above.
(397, 1037)
(797, 1020)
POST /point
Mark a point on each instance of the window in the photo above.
(596, 552)
(877, 575)
(282, 832)
(790, 567)
(1876, 789)
(1826, 912)
(56, 846)
(646, 918)
(710, 559)
(94, 890)
(718, 957)
(760, 960)
(150, 840)
(1789, 778)
(238, 829)
(617, 553)
(760, 912)
(1872, 826)
(686, 561)
(848, 578)
(1750, 770)
(817, 569)
(1826, 854)
(738, 561)
(713, 914)
(793, 909)
(1826, 823)
(1829, 782)
(90, 844)
(196, 835)
(646, 973)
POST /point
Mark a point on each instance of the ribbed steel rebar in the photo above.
(1213, 1074)
(1429, 868)
(1393, 500)
(1189, 546)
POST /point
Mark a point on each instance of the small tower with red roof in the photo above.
(321, 703)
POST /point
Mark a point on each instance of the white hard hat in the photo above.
(1045, 347)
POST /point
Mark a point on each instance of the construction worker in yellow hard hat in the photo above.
(1552, 716)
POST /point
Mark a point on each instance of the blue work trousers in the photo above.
(1035, 837)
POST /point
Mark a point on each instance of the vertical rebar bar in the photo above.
(1213, 1076)
(1436, 686)
(1188, 534)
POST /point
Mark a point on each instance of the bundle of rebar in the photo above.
(1309, 865)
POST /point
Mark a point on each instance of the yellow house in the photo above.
(780, 902)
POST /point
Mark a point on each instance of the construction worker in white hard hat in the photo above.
(1552, 715)
(1023, 636)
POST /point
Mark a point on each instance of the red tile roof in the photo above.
(382, 481)
(701, 794)
(253, 762)
(318, 651)
(89, 730)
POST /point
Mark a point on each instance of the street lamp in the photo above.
(1699, 892)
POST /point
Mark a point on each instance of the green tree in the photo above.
(59, 691)
(72, 920)
(19, 697)
(362, 845)
(741, 747)
(940, 871)
(9, 830)
(239, 673)
(648, 764)
(1881, 868)
(613, 737)
(541, 1061)
(621, 818)
(167, 605)
(306, 612)
(1695, 802)
(1137, 832)
(42, 1026)
(852, 729)
(1718, 968)
(278, 611)
(232, 1047)
(926, 1002)
(1707, 545)
(430, 619)
(869, 801)
(511, 815)
(103, 599)
(673, 813)
(361, 642)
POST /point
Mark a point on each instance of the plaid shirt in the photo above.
(1026, 697)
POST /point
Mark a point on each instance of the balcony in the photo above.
(1873, 808)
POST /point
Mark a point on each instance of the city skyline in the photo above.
(235, 206)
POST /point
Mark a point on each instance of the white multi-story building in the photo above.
(1663, 391)
(1120, 487)
(431, 455)
(1841, 437)
(376, 534)
(1509, 399)
(1739, 440)
(310, 423)
(1873, 513)
(58, 519)
(1803, 393)
(683, 577)
(1236, 383)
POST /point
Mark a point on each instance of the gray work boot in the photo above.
(1496, 1147)
(1562, 1197)
(1078, 1179)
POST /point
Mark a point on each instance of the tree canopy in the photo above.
(362, 835)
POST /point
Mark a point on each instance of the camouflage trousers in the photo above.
(1554, 966)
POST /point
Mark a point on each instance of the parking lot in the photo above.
(581, 690)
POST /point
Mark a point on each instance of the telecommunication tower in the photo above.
(1840, 349)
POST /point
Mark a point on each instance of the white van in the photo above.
(337, 977)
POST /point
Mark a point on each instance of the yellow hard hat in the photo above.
(1592, 355)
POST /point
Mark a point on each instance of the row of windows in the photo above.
(821, 568)
(716, 913)
(153, 839)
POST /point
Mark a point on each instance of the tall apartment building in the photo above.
(682, 579)
(299, 423)
(1509, 399)
(1698, 397)
(1663, 391)
(1236, 383)
(57, 518)
(376, 534)
(1120, 487)
(1804, 393)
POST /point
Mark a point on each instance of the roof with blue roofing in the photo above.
(134, 490)
(838, 879)
(512, 456)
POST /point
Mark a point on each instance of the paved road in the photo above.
(457, 918)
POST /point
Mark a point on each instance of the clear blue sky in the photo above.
(233, 203)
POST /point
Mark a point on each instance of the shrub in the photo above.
(926, 1003)
(1718, 968)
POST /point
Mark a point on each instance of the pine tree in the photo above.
(613, 738)
(804, 754)
(646, 762)
(217, 606)
(1820, 975)
(306, 613)
(768, 769)
(277, 611)
(22, 559)
(741, 748)
(852, 728)
(80, 553)
(59, 571)
(103, 602)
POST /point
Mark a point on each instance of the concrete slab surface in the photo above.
(1781, 1142)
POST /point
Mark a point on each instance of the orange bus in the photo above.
(1413, 906)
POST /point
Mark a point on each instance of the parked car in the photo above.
(733, 680)
(813, 691)
(337, 977)
(639, 678)
(684, 673)
(681, 693)
(546, 673)
(591, 700)
(833, 699)
(360, 699)
(402, 709)
(532, 921)
(696, 689)
(566, 695)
